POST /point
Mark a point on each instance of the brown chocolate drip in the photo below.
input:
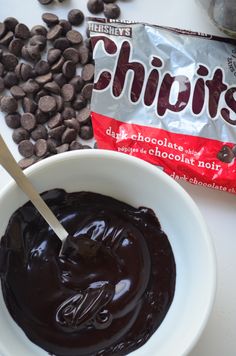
(107, 293)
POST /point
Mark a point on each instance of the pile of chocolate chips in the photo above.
(109, 7)
(47, 101)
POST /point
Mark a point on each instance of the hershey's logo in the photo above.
(206, 90)
(110, 30)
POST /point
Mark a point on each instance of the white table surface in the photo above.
(218, 208)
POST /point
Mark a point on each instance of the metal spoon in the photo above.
(11, 166)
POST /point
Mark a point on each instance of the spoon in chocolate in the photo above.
(10, 165)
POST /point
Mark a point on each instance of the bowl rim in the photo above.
(101, 153)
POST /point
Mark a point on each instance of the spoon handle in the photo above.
(11, 166)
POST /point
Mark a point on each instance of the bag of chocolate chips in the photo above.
(167, 96)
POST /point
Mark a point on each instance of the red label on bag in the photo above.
(193, 159)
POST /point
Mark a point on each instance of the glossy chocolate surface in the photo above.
(109, 290)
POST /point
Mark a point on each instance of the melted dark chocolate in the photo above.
(106, 294)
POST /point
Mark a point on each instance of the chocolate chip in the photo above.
(79, 103)
(63, 148)
(1, 69)
(88, 72)
(39, 132)
(53, 55)
(2, 85)
(11, 23)
(27, 162)
(43, 79)
(20, 134)
(17, 92)
(74, 37)
(87, 91)
(71, 54)
(26, 148)
(68, 113)
(86, 132)
(33, 52)
(3, 29)
(22, 31)
(57, 67)
(26, 71)
(72, 123)
(75, 145)
(83, 116)
(40, 94)
(15, 46)
(41, 67)
(55, 121)
(47, 104)
(39, 41)
(57, 132)
(7, 38)
(52, 145)
(65, 25)
(84, 54)
(30, 87)
(9, 61)
(8, 104)
(68, 92)
(60, 79)
(75, 17)
(69, 69)
(226, 154)
(10, 79)
(28, 121)
(68, 135)
(50, 19)
(13, 120)
(45, 2)
(95, 6)
(52, 87)
(38, 30)
(29, 105)
(41, 147)
(60, 102)
(54, 32)
(77, 82)
(61, 43)
(111, 11)
(41, 117)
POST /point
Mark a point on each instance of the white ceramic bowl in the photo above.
(137, 183)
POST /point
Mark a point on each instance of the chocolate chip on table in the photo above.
(60, 102)
(38, 30)
(68, 113)
(57, 132)
(86, 132)
(111, 11)
(84, 54)
(61, 43)
(45, 2)
(9, 61)
(10, 79)
(26, 148)
(41, 117)
(15, 46)
(74, 37)
(8, 104)
(69, 69)
(41, 67)
(47, 103)
(3, 29)
(226, 154)
(7, 38)
(41, 147)
(43, 79)
(54, 32)
(75, 145)
(88, 72)
(87, 91)
(53, 55)
(72, 123)
(30, 87)
(52, 145)
(77, 82)
(63, 148)
(22, 31)
(60, 79)
(69, 135)
(71, 54)
(52, 87)
(17, 92)
(28, 121)
(39, 132)
(55, 121)
(68, 92)
(13, 120)
(65, 25)
(26, 71)
(20, 134)
(27, 162)
(29, 105)
(95, 6)
(84, 116)
(10, 23)
(75, 17)
(50, 19)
